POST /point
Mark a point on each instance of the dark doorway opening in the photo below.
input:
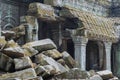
(70, 47)
(92, 56)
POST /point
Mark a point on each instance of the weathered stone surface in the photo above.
(3, 42)
(105, 74)
(69, 60)
(73, 74)
(91, 73)
(36, 78)
(45, 60)
(95, 77)
(8, 34)
(61, 61)
(23, 63)
(29, 51)
(11, 43)
(14, 52)
(42, 11)
(115, 78)
(55, 54)
(53, 2)
(45, 70)
(5, 62)
(24, 75)
(41, 45)
(19, 31)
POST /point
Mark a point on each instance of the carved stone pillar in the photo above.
(31, 26)
(108, 54)
(80, 50)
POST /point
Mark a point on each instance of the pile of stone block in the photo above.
(40, 60)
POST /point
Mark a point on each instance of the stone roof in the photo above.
(94, 27)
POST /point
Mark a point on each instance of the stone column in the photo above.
(80, 50)
(31, 27)
(108, 54)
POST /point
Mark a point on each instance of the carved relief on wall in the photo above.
(9, 15)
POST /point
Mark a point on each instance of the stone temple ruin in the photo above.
(47, 59)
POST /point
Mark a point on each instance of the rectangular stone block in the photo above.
(46, 70)
(23, 75)
(5, 62)
(23, 63)
(55, 54)
(41, 45)
(105, 74)
(45, 60)
(29, 51)
(14, 52)
(69, 60)
(42, 11)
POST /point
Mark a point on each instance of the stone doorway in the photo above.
(68, 46)
(95, 55)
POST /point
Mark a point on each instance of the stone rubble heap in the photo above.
(40, 60)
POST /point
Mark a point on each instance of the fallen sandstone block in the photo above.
(46, 70)
(23, 75)
(29, 51)
(95, 77)
(36, 78)
(5, 62)
(23, 63)
(3, 42)
(14, 52)
(61, 61)
(69, 60)
(11, 43)
(41, 45)
(105, 74)
(55, 54)
(74, 73)
(45, 60)
(8, 34)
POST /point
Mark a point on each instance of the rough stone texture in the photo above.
(69, 60)
(24, 75)
(45, 60)
(73, 74)
(36, 78)
(45, 70)
(8, 34)
(115, 78)
(95, 77)
(29, 51)
(5, 62)
(61, 61)
(53, 2)
(41, 45)
(23, 63)
(2, 42)
(55, 54)
(42, 11)
(14, 52)
(91, 73)
(105, 74)
(19, 31)
(11, 43)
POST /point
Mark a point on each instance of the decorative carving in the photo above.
(80, 40)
